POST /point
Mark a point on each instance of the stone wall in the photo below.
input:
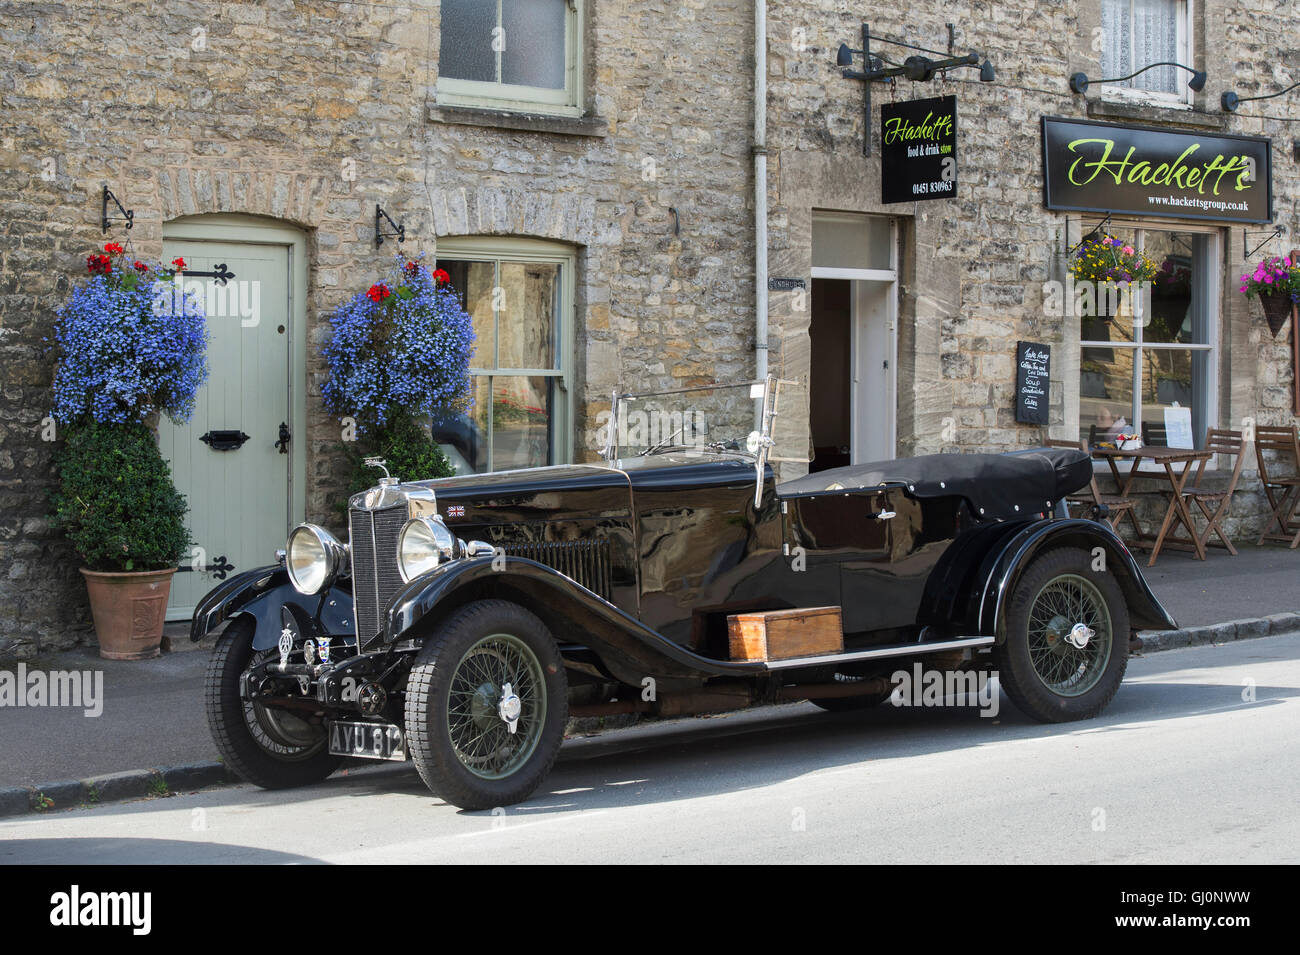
(310, 112)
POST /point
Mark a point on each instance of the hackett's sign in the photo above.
(918, 150)
(1136, 170)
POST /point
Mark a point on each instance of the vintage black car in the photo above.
(466, 619)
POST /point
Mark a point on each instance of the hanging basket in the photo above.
(1277, 309)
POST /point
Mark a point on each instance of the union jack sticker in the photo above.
(455, 510)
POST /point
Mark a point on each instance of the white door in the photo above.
(875, 411)
(229, 461)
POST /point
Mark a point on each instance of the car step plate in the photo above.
(367, 740)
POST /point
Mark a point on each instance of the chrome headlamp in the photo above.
(425, 542)
(314, 558)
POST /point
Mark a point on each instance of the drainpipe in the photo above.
(760, 188)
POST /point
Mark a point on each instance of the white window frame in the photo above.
(506, 249)
(1185, 52)
(1213, 326)
(528, 99)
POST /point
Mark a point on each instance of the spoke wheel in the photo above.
(1069, 660)
(1064, 642)
(496, 666)
(489, 668)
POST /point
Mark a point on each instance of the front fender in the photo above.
(1145, 610)
(260, 593)
(630, 650)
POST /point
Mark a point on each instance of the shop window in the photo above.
(511, 54)
(1154, 350)
(1136, 33)
(519, 294)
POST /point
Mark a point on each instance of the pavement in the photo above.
(152, 736)
(1197, 760)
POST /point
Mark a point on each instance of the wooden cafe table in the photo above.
(1177, 512)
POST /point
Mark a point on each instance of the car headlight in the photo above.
(425, 542)
(313, 557)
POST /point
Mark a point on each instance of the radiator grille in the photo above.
(587, 562)
(375, 578)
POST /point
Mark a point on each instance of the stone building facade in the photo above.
(304, 115)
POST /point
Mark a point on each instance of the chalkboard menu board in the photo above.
(1032, 377)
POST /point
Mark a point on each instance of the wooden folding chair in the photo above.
(1110, 508)
(1281, 490)
(1219, 441)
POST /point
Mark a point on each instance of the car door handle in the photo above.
(283, 443)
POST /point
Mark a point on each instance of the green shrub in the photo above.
(409, 453)
(116, 501)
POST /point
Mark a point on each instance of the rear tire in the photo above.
(456, 704)
(268, 747)
(1045, 674)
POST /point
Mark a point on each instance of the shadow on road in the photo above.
(127, 851)
(699, 757)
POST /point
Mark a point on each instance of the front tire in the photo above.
(458, 706)
(268, 747)
(1051, 669)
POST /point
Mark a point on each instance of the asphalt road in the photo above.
(1181, 768)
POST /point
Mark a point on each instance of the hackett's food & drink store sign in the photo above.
(1136, 170)
(918, 150)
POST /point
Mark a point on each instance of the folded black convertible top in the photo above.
(997, 486)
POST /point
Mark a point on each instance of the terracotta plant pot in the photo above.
(1277, 309)
(129, 610)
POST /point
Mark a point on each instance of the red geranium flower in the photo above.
(99, 263)
(179, 263)
(139, 266)
(411, 268)
(378, 292)
(441, 277)
(114, 249)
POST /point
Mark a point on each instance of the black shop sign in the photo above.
(1137, 170)
(918, 150)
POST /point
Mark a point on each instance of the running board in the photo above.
(876, 653)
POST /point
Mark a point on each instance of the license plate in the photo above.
(367, 740)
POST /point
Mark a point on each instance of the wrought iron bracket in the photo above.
(105, 220)
(399, 232)
(221, 273)
(1246, 240)
(1096, 230)
(916, 68)
(217, 568)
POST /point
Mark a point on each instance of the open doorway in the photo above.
(853, 341)
(831, 371)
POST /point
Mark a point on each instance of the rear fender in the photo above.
(578, 618)
(1006, 566)
(260, 594)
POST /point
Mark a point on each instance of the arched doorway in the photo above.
(243, 480)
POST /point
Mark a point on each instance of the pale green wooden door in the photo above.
(238, 498)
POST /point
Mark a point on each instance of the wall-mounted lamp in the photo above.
(915, 68)
(1079, 82)
(1229, 100)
